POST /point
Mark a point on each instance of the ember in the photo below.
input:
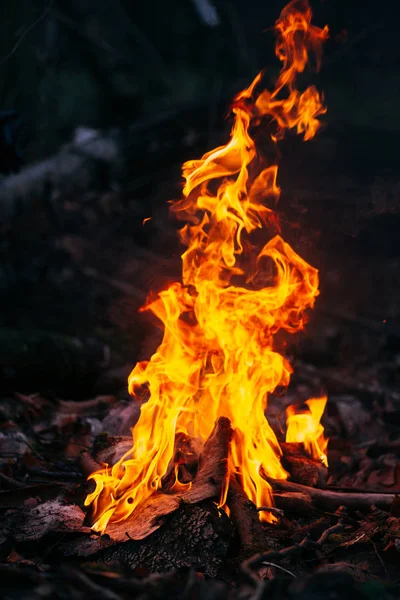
(218, 358)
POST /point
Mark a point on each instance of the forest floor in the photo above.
(72, 281)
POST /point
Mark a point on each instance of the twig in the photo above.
(271, 509)
(271, 564)
(25, 33)
(257, 560)
(379, 557)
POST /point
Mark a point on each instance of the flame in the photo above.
(217, 357)
(305, 428)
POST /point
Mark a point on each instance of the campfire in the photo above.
(202, 430)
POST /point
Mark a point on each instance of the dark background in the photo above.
(76, 263)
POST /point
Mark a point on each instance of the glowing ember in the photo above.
(305, 428)
(217, 357)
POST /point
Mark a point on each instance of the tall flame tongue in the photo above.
(217, 357)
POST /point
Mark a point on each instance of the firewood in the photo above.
(330, 501)
(208, 483)
(245, 518)
(302, 467)
(213, 463)
(296, 503)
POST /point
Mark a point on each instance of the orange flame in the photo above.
(217, 356)
(305, 428)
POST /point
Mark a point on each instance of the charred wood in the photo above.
(302, 468)
(245, 518)
(194, 536)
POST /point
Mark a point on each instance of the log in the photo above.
(245, 518)
(301, 466)
(296, 503)
(96, 159)
(75, 168)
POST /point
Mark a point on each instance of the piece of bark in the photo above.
(50, 517)
(302, 467)
(114, 448)
(122, 418)
(210, 478)
(195, 536)
(245, 518)
(330, 501)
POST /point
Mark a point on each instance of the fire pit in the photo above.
(219, 358)
(219, 463)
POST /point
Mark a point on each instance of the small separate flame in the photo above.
(305, 428)
(218, 356)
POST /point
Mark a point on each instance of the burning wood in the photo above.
(219, 358)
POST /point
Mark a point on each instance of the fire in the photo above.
(217, 357)
(305, 428)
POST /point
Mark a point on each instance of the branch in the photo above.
(25, 33)
(331, 501)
